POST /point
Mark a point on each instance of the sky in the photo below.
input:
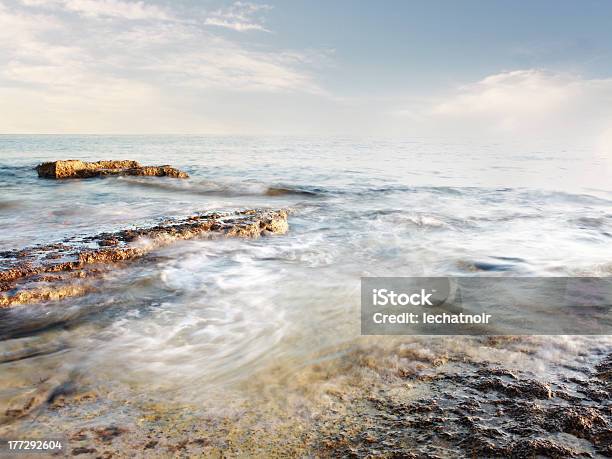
(479, 69)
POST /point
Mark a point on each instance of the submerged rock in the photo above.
(56, 271)
(74, 168)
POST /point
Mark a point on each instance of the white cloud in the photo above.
(241, 17)
(523, 105)
(135, 10)
(518, 99)
(88, 73)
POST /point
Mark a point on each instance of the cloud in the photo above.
(104, 8)
(86, 73)
(522, 104)
(119, 66)
(240, 16)
(518, 99)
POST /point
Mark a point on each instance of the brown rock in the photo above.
(25, 274)
(74, 168)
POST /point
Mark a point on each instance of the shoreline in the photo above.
(369, 397)
(358, 404)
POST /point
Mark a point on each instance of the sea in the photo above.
(201, 318)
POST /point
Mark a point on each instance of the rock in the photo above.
(82, 450)
(604, 369)
(28, 399)
(57, 271)
(528, 389)
(466, 409)
(540, 448)
(74, 168)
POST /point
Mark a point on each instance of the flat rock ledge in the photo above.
(61, 270)
(74, 168)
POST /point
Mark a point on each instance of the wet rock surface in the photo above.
(360, 405)
(74, 168)
(69, 268)
(471, 409)
(461, 419)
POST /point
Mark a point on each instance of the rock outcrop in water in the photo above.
(74, 168)
(56, 271)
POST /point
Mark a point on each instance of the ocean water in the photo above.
(202, 316)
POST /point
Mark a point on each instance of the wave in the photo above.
(210, 188)
(505, 264)
(282, 191)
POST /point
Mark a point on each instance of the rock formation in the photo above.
(56, 271)
(74, 168)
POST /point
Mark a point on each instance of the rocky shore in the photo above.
(56, 271)
(472, 408)
(375, 398)
(361, 397)
(74, 168)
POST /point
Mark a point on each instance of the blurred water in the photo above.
(208, 313)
